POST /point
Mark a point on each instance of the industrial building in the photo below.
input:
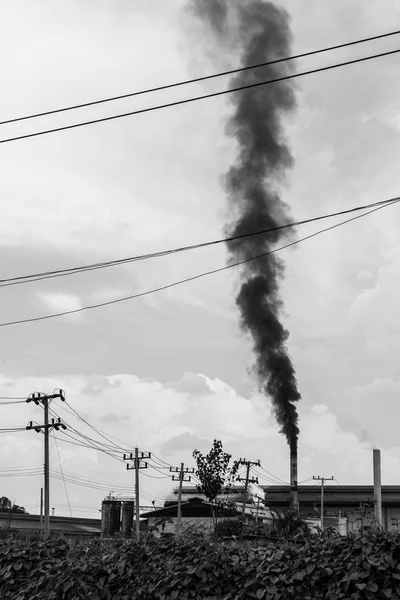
(197, 511)
(352, 503)
(60, 525)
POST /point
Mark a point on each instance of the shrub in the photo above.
(229, 527)
(289, 524)
(359, 567)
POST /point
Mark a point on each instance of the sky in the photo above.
(170, 372)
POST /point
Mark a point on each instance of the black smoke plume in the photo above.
(260, 32)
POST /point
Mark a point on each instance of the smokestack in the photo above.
(377, 485)
(254, 32)
(293, 477)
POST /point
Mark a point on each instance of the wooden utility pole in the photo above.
(39, 398)
(181, 478)
(247, 480)
(322, 480)
(136, 465)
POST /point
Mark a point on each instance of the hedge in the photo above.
(355, 567)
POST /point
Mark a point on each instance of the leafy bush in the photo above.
(289, 524)
(359, 567)
(229, 527)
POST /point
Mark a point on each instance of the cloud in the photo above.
(191, 383)
(98, 384)
(171, 424)
(113, 418)
(60, 302)
(184, 441)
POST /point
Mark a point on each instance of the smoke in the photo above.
(259, 31)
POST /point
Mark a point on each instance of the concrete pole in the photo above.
(246, 485)
(377, 485)
(137, 494)
(179, 515)
(41, 510)
(322, 503)
(46, 469)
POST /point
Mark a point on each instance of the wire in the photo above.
(305, 480)
(12, 402)
(106, 445)
(273, 476)
(196, 98)
(198, 79)
(272, 480)
(92, 427)
(62, 473)
(106, 484)
(155, 476)
(12, 429)
(188, 279)
(22, 279)
(21, 398)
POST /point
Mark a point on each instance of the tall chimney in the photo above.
(293, 476)
(377, 486)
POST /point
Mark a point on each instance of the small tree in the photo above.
(162, 522)
(215, 474)
(7, 506)
(290, 524)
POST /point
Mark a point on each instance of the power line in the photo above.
(197, 98)
(188, 279)
(12, 402)
(22, 279)
(62, 473)
(270, 478)
(197, 79)
(12, 429)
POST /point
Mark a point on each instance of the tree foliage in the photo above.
(214, 471)
(7, 506)
(290, 524)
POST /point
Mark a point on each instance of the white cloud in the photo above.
(156, 417)
(60, 302)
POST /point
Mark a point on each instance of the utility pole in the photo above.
(181, 478)
(45, 399)
(41, 511)
(247, 480)
(136, 465)
(322, 480)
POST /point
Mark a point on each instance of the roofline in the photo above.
(281, 488)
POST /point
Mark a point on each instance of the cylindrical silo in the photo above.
(116, 519)
(106, 518)
(110, 517)
(127, 518)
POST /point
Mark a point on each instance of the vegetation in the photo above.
(7, 506)
(214, 472)
(327, 567)
(216, 475)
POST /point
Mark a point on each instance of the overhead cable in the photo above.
(22, 279)
(198, 79)
(188, 279)
(62, 473)
(197, 98)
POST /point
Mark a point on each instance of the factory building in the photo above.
(350, 504)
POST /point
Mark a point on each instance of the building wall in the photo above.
(204, 523)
